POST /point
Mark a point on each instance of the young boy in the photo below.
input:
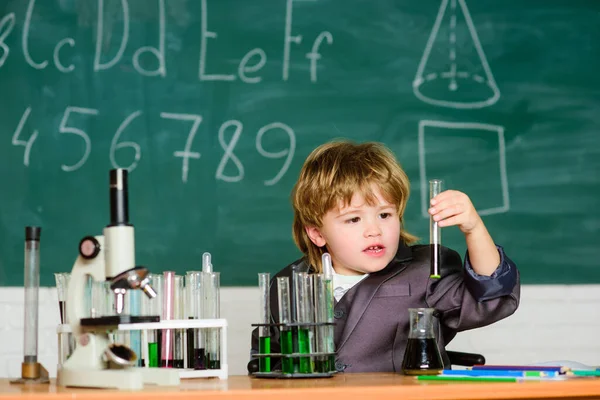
(349, 201)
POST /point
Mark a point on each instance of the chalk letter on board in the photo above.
(228, 147)
(314, 54)
(25, 143)
(57, 62)
(205, 34)
(25, 39)
(288, 38)
(186, 154)
(158, 53)
(242, 69)
(100, 36)
(10, 19)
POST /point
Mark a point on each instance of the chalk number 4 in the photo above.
(25, 143)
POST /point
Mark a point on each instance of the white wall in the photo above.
(554, 322)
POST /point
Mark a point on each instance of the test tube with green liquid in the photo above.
(323, 333)
(304, 312)
(285, 333)
(435, 233)
(154, 309)
(329, 302)
(264, 336)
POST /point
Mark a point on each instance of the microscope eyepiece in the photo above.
(119, 207)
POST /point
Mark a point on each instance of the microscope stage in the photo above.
(114, 320)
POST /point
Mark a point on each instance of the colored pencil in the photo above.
(556, 368)
(468, 378)
(584, 372)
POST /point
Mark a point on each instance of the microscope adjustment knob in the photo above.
(89, 247)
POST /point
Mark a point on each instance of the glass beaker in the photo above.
(422, 356)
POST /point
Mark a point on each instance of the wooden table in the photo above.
(343, 386)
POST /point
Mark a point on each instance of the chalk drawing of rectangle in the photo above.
(487, 128)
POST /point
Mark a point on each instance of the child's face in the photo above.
(361, 238)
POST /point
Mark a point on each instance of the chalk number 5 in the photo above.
(63, 128)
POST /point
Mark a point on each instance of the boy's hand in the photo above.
(452, 207)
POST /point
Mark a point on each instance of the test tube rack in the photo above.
(295, 356)
(220, 324)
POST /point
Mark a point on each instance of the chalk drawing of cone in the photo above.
(454, 71)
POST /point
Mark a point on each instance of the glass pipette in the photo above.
(206, 263)
(327, 266)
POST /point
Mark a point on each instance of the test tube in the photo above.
(121, 337)
(178, 314)
(264, 336)
(30, 368)
(166, 354)
(285, 333)
(211, 308)
(294, 312)
(323, 315)
(327, 265)
(304, 312)
(65, 342)
(32, 285)
(435, 234)
(152, 307)
(62, 287)
(196, 354)
(133, 301)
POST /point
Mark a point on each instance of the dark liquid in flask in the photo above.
(422, 357)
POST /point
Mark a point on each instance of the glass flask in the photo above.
(422, 356)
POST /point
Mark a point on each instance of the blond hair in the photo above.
(333, 173)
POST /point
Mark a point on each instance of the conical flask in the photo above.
(422, 356)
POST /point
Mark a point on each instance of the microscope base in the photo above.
(94, 378)
(129, 378)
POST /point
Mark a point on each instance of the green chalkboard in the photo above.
(214, 105)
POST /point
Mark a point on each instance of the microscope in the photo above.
(96, 362)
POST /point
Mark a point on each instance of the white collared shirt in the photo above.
(343, 283)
